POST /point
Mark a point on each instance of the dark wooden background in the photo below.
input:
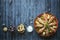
(16, 12)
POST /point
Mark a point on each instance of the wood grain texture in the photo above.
(16, 12)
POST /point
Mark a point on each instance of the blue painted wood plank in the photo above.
(19, 11)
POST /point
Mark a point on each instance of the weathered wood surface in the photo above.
(16, 12)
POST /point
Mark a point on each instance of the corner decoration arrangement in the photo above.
(46, 24)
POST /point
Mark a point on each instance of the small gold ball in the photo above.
(5, 29)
